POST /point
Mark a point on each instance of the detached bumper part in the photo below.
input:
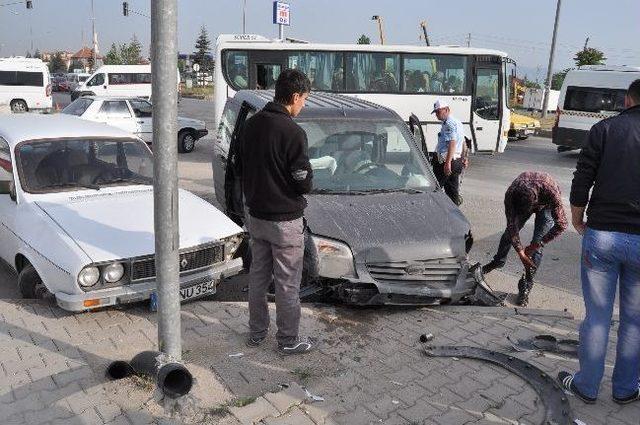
(201, 133)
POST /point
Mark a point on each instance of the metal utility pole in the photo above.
(469, 40)
(95, 37)
(423, 24)
(547, 83)
(380, 28)
(244, 17)
(164, 65)
(586, 43)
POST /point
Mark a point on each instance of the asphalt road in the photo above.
(558, 284)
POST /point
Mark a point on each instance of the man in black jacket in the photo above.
(276, 172)
(610, 163)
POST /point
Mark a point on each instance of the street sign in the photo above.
(196, 67)
(281, 13)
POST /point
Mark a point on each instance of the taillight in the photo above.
(555, 124)
(48, 91)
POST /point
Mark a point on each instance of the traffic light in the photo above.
(29, 4)
(125, 8)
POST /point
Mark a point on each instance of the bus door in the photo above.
(266, 66)
(486, 106)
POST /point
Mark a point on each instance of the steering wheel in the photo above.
(367, 166)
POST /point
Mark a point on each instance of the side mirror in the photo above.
(8, 188)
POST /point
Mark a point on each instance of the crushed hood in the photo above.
(109, 224)
(390, 226)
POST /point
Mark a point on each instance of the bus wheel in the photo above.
(19, 106)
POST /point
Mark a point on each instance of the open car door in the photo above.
(418, 135)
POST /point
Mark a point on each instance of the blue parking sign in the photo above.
(281, 13)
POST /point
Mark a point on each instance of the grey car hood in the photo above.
(390, 226)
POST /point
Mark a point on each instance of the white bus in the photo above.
(406, 79)
(25, 84)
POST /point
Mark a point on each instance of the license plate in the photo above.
(198, 290)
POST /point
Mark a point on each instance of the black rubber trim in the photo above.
(557, 408)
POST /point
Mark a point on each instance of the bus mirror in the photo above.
(8, 188)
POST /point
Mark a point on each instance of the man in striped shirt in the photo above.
(530, 193)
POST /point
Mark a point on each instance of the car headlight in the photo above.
(113, 272)
(231, 245)
(89, 276)
(335, 259)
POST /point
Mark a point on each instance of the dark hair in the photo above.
(289, 82)
(634, 92)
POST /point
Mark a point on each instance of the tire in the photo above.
(19, 106)
(186, 141)
(30, 284)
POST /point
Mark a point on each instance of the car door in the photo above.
(486, 111)
(8, 204)
(221, 147)
(418, 134)
(117, 114)
(144, 122)
(234, 198)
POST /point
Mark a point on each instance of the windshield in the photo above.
(362, 155)
(62, 165)
(77, 107)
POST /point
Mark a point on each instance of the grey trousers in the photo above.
(277, 250)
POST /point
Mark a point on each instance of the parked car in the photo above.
(25, 84)
(522, 126)
(588, 95)
(380, 229)
(134, 115)
(75, 79)
(68, 188)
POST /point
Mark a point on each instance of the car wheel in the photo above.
(30, 283)
(19, 106)
(186, 142)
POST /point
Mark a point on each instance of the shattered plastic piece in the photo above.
(426, 338)
(579, 422)
(397, 383)
(548, 343)
(313, 397)
(483, 294)
(395, 402)
(236, 355)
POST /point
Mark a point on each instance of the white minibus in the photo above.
(25, 84)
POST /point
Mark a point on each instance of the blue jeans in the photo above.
(609, 258)
(544, 222)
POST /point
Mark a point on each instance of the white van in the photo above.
(76, 78)
(588, 95)
(25, 84)
(117, 81)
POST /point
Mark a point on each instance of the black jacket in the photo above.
(274, 164)
(610, 162)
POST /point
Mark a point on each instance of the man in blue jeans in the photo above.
(610, 163)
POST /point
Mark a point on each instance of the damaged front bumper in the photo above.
(438, 282)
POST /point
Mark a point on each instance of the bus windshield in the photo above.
(364, 155)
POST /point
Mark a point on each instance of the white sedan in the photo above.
(134, 116)
(76, 216)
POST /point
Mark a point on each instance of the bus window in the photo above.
(237, 69)
(487, 102)
(440, 74)
(266, 75)
(324, 69)
(373, 72)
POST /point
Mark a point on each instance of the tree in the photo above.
(202, 54)
(57, 64)
(37, 54)
(558, 78)
(131, 53)
(589, 56)
(113, 56)
(28, 55)
(76, 65)
(364, 40)
(530, 84)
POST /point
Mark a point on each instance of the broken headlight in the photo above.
(335, 259)
(231, 245)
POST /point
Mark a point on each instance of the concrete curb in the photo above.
(505, 311)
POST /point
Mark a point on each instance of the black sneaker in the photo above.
(566, 382)
(491, 266)
(630, 399)
(299, 347)
(524, 289)
(253, 341)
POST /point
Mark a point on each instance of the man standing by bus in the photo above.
(276, 173)
(448, 162)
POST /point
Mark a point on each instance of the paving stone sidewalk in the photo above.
(368, 368)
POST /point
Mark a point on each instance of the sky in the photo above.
(521, 28)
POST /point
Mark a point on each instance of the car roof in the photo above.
(16, 128)
(114, 98)
(323, 105)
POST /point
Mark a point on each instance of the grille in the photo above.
(192, 260)
(434, 273)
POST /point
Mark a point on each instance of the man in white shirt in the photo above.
(449, 163)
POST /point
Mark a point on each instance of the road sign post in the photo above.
(281, 16)
(164, 42)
